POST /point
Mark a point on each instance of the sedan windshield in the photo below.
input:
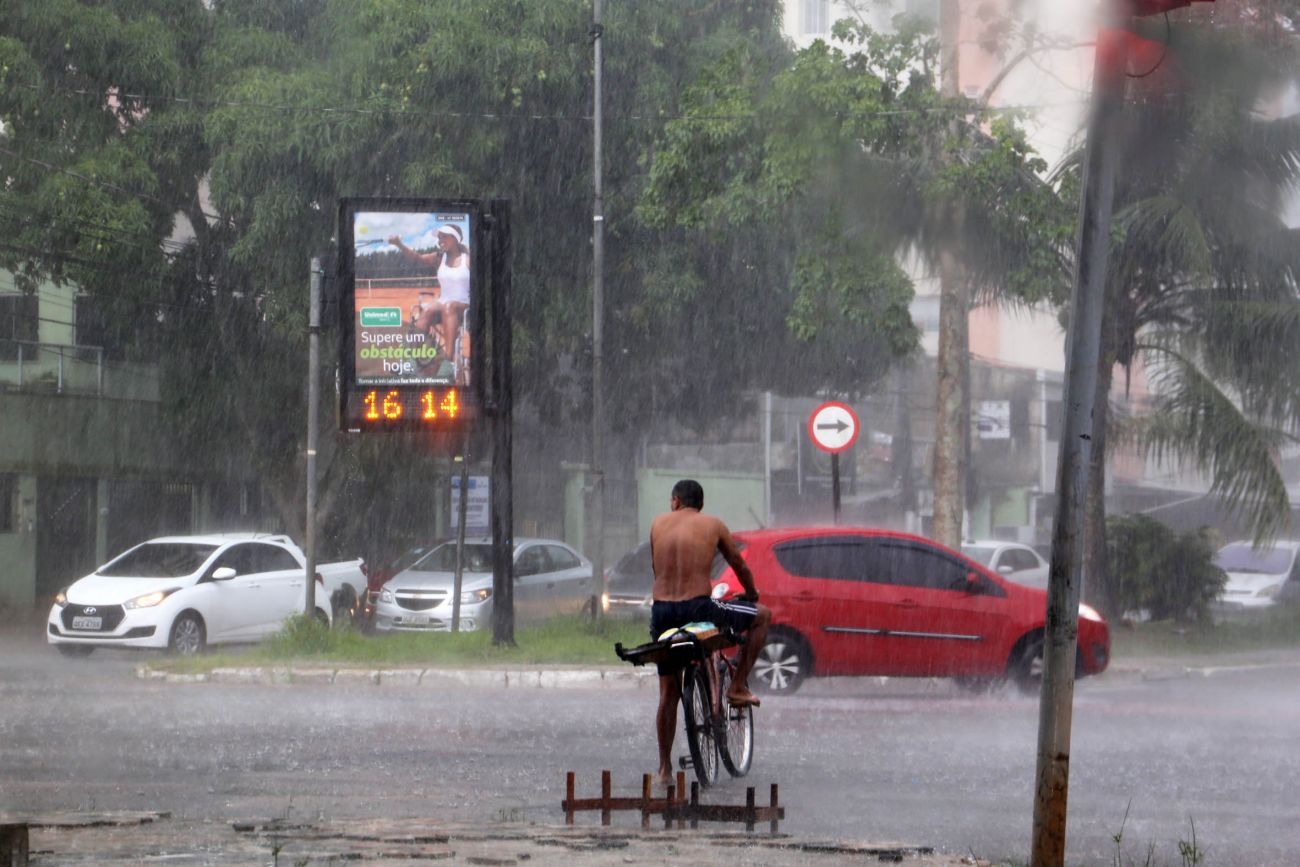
(1244, 558)
(160, 560)
(478, 558)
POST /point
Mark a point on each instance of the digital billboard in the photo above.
(410, 295)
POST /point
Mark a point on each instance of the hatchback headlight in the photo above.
(1087, 612)
(472, 596)
(148, 600)
(61, 598)
(386, 595)
(1269, 591)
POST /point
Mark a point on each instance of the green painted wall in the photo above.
(736, 498)
(18, 550)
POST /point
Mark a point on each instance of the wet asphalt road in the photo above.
(918, 761)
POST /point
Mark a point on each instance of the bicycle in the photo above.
(716, 731)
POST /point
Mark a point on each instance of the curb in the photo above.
(417, 677)
(643, 677)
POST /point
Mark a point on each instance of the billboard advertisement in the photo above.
(410, 293)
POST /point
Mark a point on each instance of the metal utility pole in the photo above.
(597, 546)
(1065, 572)
(313, 411)
(462, 511)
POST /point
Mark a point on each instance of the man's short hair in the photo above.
(689, 492)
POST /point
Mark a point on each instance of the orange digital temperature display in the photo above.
(405, 407)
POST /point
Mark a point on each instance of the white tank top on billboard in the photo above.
(454, 280)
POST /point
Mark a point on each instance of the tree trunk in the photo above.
(951, 422)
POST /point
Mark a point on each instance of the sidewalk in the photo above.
(120, 839)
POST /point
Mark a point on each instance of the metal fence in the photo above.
(60, 369)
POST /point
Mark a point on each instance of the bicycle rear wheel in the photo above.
(736, 745)
(700, 733)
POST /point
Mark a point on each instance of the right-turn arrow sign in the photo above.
(833, 426)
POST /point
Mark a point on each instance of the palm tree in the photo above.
(1202, 285)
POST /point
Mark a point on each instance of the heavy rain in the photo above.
(350, 350)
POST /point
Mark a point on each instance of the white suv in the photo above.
(184, 593)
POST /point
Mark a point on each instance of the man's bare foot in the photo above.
(742, 698)
(662, 779)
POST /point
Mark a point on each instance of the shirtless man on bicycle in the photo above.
(683, 543)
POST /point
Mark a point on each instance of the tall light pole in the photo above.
(597, 546)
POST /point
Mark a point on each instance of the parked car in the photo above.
(862, 601)
(550, 578)
(184, 593)
(1021, 563)
(377, 578)
(630, 583)
(1257, 578)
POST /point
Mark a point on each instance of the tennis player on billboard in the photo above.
(413, 292)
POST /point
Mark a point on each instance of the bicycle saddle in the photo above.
(700, 630)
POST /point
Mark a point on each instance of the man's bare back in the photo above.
(683, 543)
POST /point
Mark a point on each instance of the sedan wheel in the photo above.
(782, 664)
(188, 636)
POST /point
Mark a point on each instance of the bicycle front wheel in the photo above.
(736, 745)
(700, 733)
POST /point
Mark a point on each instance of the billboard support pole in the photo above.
(313, 411)
(503, 538)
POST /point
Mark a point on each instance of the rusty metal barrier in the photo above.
(673, 806)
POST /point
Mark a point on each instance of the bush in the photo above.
(1168, 575)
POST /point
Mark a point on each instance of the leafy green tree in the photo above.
(243, 121)
(853, 142)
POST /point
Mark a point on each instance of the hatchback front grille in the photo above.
(110, 616)
(420, 600)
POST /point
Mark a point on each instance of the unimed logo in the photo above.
(381, 317)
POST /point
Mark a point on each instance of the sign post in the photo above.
(833, 427)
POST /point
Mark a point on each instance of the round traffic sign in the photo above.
(833, 426)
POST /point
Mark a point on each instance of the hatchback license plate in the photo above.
(418, 619)
(87, 623)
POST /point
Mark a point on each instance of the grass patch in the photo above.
(561, 641)
(1272, 628)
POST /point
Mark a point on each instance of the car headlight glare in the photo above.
(148, 600)
(471, 596)
(61, 598)
(604, 602)
(1087, 612)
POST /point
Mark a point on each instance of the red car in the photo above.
(860, 601)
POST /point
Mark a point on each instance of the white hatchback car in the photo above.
(550, 578)
(184, 593)
(1018, 562)
(1257, 578)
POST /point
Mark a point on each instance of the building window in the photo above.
(816, 16)
(923, 8)
(18, 321)
(8, 495)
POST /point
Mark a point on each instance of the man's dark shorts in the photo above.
(734, 615)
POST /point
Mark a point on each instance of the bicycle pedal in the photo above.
(685, 762)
